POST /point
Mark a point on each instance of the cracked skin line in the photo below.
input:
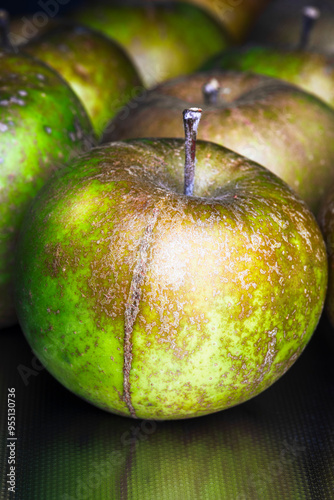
(132, 307)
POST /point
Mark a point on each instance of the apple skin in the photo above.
(280, 24)
(275, 124)
(43, 125)
(152, 304)
(165, 40)
(311, 71)
(326, 222)
(103, 87)
(237, 17)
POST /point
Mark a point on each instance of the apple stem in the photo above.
(191, 118)
(310, 16)
(4, 30)
(211, 91)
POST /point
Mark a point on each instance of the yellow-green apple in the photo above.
(96, 67)
(152, 303)
(275, 124)
(237, 16)
(165, 40)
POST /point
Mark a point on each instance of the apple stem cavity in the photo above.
(211, 91)
(4, 30)
(191, 118)
(310, 16)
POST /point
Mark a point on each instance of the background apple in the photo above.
(153, 304)
(280, 24)
(164, 39)
(311, 71)
(275, 124)
(97, 68)
(42, 126)
(236, 16)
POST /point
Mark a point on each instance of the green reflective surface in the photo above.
(278, 446)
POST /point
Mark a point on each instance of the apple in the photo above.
(151, 303)
(165, 40)
(281, 21)
(311, 71)
(273, 123)
(97, 69)
(42, 126)
(237, 16)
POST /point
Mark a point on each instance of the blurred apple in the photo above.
(96, 67)
(280, 24)
(165, 40)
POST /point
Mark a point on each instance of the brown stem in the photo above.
(310, 16)
(191, 118)
(210, 91)
(4, 30)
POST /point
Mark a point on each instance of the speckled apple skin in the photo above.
(96, 67)
(164, 40)
(42, 126)
(311, 71)
(283, 128)
(152, 304)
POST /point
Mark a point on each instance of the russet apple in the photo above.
(311, 71)
(273, 123)
(42, 126)
(165, 40)
(96, 67)
(156, 304)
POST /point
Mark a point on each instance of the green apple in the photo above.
(97, 69)
(311, 71)
(275, 124)
(42, 126)
(156, 304)
(237, 16)
(164, 40)
(280, 24)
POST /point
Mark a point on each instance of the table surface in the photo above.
(279, 445)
